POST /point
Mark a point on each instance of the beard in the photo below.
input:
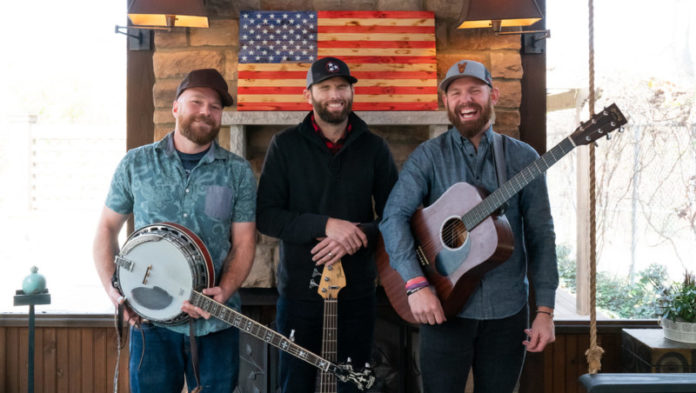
(194, 133)
(321, 109)
(470, 128)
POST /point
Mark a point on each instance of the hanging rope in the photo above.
(594, 353)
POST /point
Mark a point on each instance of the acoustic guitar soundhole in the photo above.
(454, 233)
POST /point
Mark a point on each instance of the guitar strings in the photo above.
(455, 229)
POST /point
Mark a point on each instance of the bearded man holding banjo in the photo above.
(206, 195)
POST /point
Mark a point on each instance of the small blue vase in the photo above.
(34, 283)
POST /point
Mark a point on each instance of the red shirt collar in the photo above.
(333, 147)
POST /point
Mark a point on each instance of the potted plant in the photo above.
(677, 306)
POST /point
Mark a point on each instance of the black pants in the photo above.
(492, 347)
(355, 330)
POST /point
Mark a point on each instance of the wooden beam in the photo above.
(140, 79)
(533, 105)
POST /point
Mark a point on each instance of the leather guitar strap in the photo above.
(499, 156)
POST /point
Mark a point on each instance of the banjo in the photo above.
(161, 266)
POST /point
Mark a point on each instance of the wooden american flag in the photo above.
(391, 53)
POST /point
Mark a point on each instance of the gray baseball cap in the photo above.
(464, 68)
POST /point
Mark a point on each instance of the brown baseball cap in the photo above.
(207, 77)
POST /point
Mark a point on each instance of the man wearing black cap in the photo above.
(316, 193)
(188, 179)
(491, 332)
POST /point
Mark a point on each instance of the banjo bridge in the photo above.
(147, 274)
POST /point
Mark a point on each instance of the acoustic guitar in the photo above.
(460, 238)
(331, 282)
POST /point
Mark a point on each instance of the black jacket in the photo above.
(302, 184)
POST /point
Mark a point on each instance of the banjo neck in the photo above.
(260, 331)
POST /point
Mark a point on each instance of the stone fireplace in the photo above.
(248, 133)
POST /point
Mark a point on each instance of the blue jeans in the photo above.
(355, 332)
(167, 359)
(492, 347)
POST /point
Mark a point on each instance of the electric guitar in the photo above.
(459, 238)
(344, 372)
(331, 282)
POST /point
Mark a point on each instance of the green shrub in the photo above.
(618, 296)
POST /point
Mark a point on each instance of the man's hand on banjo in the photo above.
(217, 293)
(128, 315)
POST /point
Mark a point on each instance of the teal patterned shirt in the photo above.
(151, 183)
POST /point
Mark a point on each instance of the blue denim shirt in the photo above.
(151, 183)
(435, 166)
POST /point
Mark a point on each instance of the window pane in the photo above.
(646, 176)
(63, 116)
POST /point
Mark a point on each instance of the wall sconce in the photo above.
(499, 14)
(161, 15)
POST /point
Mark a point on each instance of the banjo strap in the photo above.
(194, 357)
(121, 342)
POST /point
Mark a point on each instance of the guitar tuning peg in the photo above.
(595, 144)
(367, 365)
(349, 360)
(292, 335)
(608, 136)
(621, 129)
(312, 282)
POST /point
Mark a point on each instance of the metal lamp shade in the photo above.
(168, 13)
(501, 13)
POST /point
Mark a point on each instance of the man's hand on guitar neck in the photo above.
(426, 307)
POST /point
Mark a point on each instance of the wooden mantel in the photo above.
(237, 121)
(373, 118)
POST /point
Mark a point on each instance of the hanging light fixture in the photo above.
(497, 14)
(168, 13)
(147, 15)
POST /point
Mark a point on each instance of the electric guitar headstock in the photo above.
(601, 124)
(331, 282)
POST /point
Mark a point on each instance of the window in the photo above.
(63, 132)
(646, 176)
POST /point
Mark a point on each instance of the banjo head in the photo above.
(158, 269)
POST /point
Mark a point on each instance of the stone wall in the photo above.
(178, 52)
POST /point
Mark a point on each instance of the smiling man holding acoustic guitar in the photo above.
(489, 329)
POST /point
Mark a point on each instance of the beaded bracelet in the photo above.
(416, 282)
